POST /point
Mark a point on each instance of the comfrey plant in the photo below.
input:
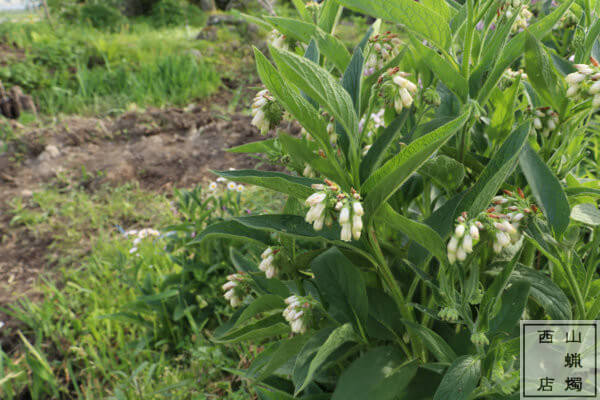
(450, 205)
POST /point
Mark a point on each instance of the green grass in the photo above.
(78, 340)
(77, 69)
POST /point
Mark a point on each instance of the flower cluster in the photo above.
(406, 91)
(231, 186)
(466, 234)
(382, 49)
(278, 40)
(266, 112)
(585, 82)
(479, 339)
(139, 236)
(449, 314)
(235, 288)
(522, 20)
(545, 121)
(298, 313)
(501, 221)
(269, 262)
(330, 199)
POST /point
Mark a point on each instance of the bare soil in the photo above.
(159, 148)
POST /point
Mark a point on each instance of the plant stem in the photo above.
(466, 61)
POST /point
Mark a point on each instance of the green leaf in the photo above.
(382, 374)
(384, 182)
(444, 70)
(262, 304)
(444, 171)
(329, 15)
(493, 176)
(377, 152)
(546, 189)
(328, 44)
(419, 232)
(306, 152)
(413, 15)
(384, 316)
(284, 351)
(503, 116)
(460, 380)
(308, 352)
(352, 77)
(513, 303)
(582, 54)
(319, 85)
(343, 288)
(261, 146)
(291, 100)
(268, 327)
(264, 285)
(231, 230)
(545, 292)
(440, 349)
(301, 8)
(292, 225)
(586, 213)
(341, 335)
(494, 293)
(541, 74)
(295, 186)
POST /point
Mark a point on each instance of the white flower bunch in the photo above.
(298, 313)
(266, 112)
(269, 262)
(502, 221)
(348, 206)
(278, 40)
(466, 235)
(382, 49)
(585, 83)
(235, 288)
(545, 121)
(406, 91)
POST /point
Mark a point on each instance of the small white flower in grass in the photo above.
(221, 179)
(133, 250)
(231, 186)
(239, 188)
(212, 186)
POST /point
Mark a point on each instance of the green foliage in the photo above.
(445, 211)
(101, 16)
(176, 12)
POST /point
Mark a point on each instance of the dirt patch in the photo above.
(159, 148)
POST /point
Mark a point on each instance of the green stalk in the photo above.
(466, 67)
(576, 291)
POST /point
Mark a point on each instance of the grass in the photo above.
(77, 69)
(78, 342)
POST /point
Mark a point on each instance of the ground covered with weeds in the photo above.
(123, 119)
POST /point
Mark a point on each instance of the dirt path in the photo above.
(160, 149)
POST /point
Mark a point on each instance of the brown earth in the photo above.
(159, 148)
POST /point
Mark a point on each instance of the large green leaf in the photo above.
(503, 115)
(291, 100)
(271, 326)
(586, 213)
(494, 293)
(280, 354)
(493, 176)
(343, 288)
(292, 185)
(321, 86)
(262, 304)
(328, 44)
(382, 373)
(545, 292)
(340, 336)
(541, 74)
(460, 380)
(444, 70)
(386, 180)
(419, 18)
(417, 231)
(513, 302)
(231, 230)
(330, 12)
(546, 189)
(440, 349)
